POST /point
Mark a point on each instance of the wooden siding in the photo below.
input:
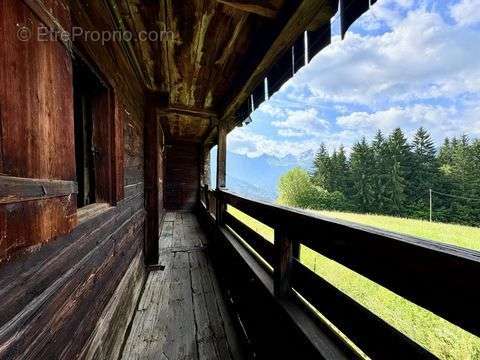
(59, 268)
(107, 340)
(182, 176)
(154, 164)
(36, 99)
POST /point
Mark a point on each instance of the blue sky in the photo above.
(405, 63)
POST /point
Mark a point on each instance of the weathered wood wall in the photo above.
(59, 268)
(108, 337)
(154, 169)
(36, 99)
(182, 175)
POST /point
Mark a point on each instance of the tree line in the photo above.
(390, 176)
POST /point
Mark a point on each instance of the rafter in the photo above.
(189, 111)
(305, 17)
(263, 8)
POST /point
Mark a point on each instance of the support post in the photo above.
(283, 262)
(206, 167)
(153, 143)
(221, 170)
(204, 173)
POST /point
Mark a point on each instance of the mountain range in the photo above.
(258, 177)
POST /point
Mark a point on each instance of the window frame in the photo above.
(107, 136)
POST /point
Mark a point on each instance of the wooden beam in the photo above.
(49, 20)
(210, 139)
(307, 12)
(282, 262)
(221, 171)
(222, 157)
(262, 8)
(432, 275)
(262, 246)
(15, 190)
(127, 46)
(153, 158)
(188, 111)
(205, 167)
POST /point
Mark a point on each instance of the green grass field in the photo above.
(442, 338)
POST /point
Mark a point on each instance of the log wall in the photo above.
(182, 175)
(63, 269)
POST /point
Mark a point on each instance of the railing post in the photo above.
(221, 170)
(296, 250)
(207, 199)
(283, 262)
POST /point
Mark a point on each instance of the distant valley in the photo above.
(258, 177)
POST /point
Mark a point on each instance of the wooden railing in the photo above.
(209, 200)
(437, 277)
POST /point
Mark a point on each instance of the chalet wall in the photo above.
(154, 170)
(182, 175)
(36, 100)
(59, 268)
(107, 339)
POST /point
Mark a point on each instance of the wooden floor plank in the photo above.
(181, 314)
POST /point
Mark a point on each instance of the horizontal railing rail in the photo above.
(435, 276)
(263, 247)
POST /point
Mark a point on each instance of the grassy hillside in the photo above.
(464, 236)
(442, 338)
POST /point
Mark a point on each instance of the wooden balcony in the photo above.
(99, 141)
(429, 274)
(182, 313)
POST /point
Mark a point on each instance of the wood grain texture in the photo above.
(263, 247)
(372, 334)
(60, 291)
(57, 275)
(36, 100)
(34, 223)
(118, 151)
(154, 169)
(299, 20)
(15, 190)
(108, 337)
(181, 314)
(262, 8)
(182, 176)
(433, 275)
(274, 328)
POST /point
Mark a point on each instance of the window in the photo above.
(98, 139)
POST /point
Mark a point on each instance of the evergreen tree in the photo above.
(474, 182)
(321, 175)
(380, 153)
(361, 164)
(445, 157)
(391, 177)
(339, 171)
(460, 180)
(424, 173)
(443, 205)
(398, 160)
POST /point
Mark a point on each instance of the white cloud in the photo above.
(245, 142)
(439, 120)
(466, 12)
(306, 122)
(405, 3)
(423, 72)
(290, 133)
(422, 58)
(268, 108)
